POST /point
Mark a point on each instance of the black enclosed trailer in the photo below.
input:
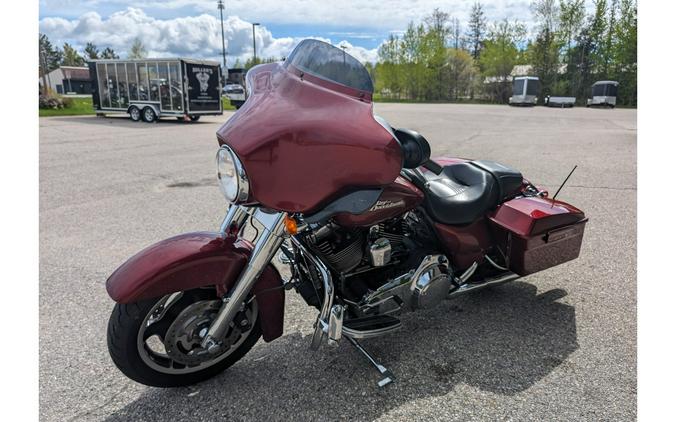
(148, 89)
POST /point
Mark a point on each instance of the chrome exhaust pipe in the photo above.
(493, 281)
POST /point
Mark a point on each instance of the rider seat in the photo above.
(463, 192)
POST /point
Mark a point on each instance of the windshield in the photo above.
(518, 85)
(532, 87)
(331, 63)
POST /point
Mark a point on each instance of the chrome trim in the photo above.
(265, 248)
(494, 264)
(235, 219)
(361, 334)
(242, 179)
(468, 273)
(322, 323)
(468, 287)
(335, 324)
(380, 252)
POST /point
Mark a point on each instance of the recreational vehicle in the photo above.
(603, 93)
(525, 90)
(148, 89)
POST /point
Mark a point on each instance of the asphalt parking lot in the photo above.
(557, 345)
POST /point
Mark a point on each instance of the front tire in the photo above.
(146, 343)
(194, 117)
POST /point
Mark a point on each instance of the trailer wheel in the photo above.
(135, 113)
(149, 115)
(194, 118)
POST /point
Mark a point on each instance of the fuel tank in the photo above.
(396, 198)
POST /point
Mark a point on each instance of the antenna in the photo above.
(561, 186)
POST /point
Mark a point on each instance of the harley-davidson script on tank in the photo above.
(397, 198)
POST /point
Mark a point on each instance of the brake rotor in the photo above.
(182, 340)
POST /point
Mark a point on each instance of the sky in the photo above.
(191, 28)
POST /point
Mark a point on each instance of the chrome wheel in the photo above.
(135, 114)
(171, 344)
(149, 115)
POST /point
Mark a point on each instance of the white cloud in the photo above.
(377, 16)
(191, 36)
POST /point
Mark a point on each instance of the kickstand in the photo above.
(388, 376)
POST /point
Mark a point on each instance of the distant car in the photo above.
(235, 93)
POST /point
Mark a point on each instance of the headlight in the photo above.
(231, 176)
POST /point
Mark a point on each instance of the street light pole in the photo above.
(344, 57)
(221, 7)
(254, 55)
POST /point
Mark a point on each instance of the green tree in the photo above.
(434, 56)
(499, 56)
(91, 51)
(476, 29)
(109, 54)
(137, 51)
(50, 57)
(463, 69)
(71, 57)
(572, 13)
(626, 53)
(388, 69)
(545, 51)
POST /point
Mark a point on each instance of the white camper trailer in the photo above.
(603, 93)
(525, 90)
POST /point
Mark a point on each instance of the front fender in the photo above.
(193, 260)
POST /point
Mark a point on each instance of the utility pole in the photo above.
(254, 55)
(221, 7)
(344, 57)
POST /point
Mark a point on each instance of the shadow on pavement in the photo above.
(501, 340)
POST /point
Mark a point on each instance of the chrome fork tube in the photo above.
(234, 220)
(265, 248)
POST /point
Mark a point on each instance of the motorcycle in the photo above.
(369, 225)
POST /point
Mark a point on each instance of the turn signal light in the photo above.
(291, 225)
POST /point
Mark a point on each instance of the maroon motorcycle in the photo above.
(368, 224)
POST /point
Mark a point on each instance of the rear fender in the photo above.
(194, 260)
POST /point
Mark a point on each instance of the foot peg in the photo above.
(370, 326)
(388, 376)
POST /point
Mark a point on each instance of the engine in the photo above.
(354, 250)
(386, 267)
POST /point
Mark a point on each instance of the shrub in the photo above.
(55, 102)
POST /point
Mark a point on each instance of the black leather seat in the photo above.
(463, 192)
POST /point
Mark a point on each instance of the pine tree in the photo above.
(91, 51)
(137, 50)
(109, 54)
(477, 28)
(71, 57)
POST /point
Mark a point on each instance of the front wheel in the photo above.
(156, 342)
(194, 117)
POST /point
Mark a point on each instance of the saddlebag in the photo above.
(537, 233)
